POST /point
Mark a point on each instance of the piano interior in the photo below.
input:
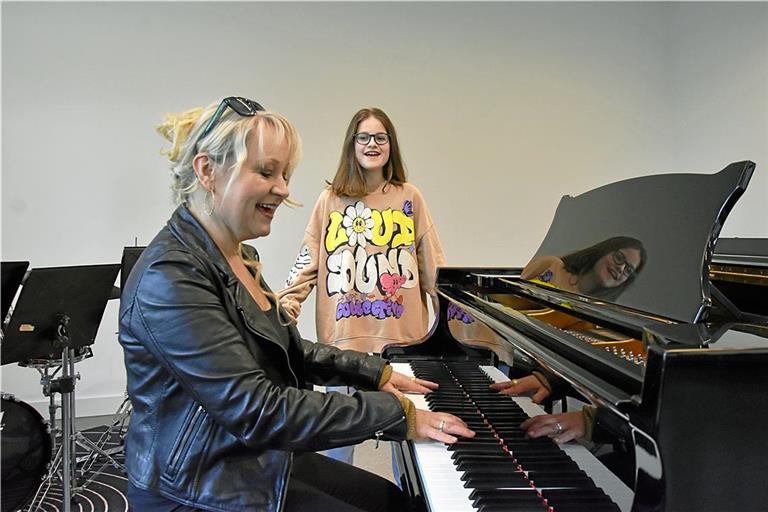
(650, 318)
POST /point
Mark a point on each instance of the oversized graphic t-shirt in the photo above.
(374, 263)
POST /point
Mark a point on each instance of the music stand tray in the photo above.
(12, 273)
(76, 296)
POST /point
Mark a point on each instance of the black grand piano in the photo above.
(676, 362)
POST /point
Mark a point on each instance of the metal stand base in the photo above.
(64, 466)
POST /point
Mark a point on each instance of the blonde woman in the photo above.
(217, 374)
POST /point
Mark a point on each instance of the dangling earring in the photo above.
(208, 202)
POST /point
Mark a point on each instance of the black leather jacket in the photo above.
(219, 403)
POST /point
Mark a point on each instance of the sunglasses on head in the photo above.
(242, 106)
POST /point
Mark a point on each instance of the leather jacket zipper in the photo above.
(184, 441)
(377, 434)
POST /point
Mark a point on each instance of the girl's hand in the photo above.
(399, 384)
(560, 427)
(292, 307)
(527, 386)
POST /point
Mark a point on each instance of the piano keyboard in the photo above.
(526, 485)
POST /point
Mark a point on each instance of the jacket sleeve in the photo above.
(178, 316)
(327, 365)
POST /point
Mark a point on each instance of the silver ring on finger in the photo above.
(558, 429)
(442, 425)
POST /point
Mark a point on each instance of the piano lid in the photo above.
(644, 243)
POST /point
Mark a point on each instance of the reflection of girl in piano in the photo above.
(603, 270)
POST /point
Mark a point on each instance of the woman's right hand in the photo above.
(440, 426)
(527, 386)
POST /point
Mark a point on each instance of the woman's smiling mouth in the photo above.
(268, 209)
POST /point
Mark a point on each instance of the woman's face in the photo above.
(371, 156)
(616, 267)
(246, 199)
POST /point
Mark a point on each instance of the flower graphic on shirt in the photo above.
(358, 223)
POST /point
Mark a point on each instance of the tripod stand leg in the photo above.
(97, 452)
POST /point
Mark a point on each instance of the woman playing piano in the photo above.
(218, 376)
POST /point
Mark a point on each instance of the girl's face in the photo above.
(371, 156)
(616, 267)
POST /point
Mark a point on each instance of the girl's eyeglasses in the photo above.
(363, 138)
(621, 260)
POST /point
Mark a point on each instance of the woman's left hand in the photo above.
(399, 384)
(560, 427)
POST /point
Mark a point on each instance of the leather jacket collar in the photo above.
(188, 230)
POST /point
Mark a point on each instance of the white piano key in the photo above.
(443, 487)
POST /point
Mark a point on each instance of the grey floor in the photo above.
(376, 460)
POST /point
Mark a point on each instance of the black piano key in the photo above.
(481, 458)
(573, 494)
(479, 447)
(573, 479)
(505, 508)
(517, 494)
(523, 506)
(511, 480)
(512, 499)
(503, 465)
(551, 465)
(577, 482)
(586, 507)
(515, 478)
(579, 499)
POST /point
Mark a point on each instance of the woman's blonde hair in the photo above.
(226, 147)
(225, 144)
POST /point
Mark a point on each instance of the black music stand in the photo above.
(130, 257)
(56, 301)
(11, 274)
(58, 313)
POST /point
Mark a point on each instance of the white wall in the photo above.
(501, 109)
